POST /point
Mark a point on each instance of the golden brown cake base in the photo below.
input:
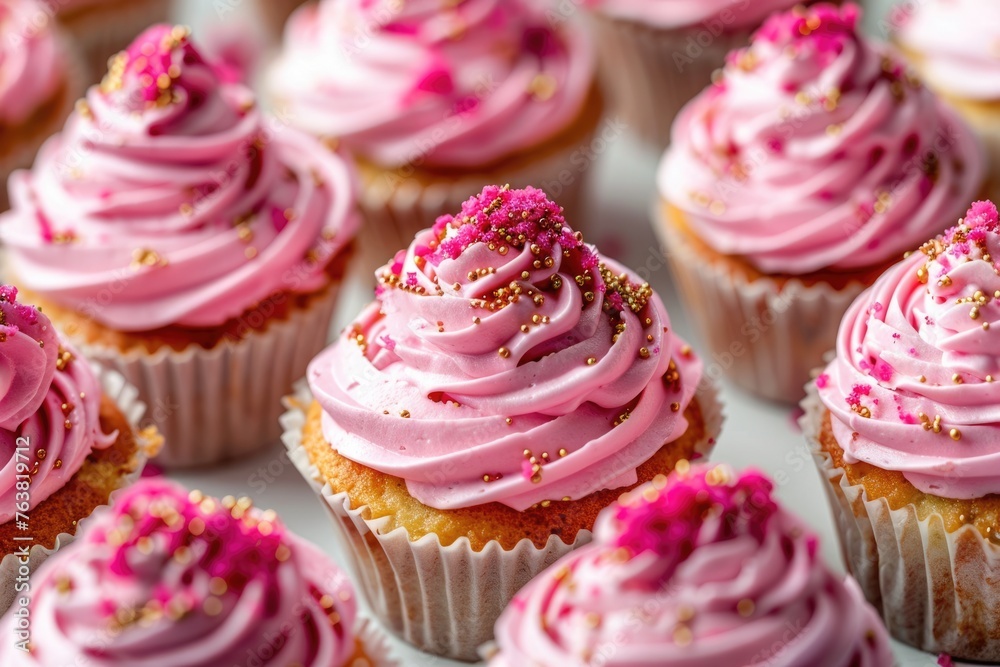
(983, 513)
(79, 327)
(386, 496)
(101, 474)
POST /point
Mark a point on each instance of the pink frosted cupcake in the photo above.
(68, 437)
(905, 425)
(658, 54)
(955, 45)
(435, 99)
(465, 432)
(102, 28)
(39, 81)
(171, 578)
(699, 570)
(811, 164)
(187, 241)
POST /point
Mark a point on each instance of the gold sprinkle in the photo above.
(682, 635)
(955, 434)
(563, 452)
(591, 361)
(405, 414)
(745, 607)
(543, 87)
(643, 353)
(956, 378)
(213, 606)
(675, 407)
(504, 353)
(250, 252)
(218, 586)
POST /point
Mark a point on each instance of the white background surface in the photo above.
(756, 433)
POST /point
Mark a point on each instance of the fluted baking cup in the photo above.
(442, 599)
(12, 570)
(766, 336)
(935, 590)
(216, 404)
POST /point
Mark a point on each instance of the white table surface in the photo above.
(756, 433)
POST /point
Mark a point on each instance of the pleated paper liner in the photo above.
(126, 398)
(935, 590)
(442, 599)
(222, 403)
(764, 334)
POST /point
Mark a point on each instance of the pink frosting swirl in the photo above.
(700, 570)
(496, 335)
(729, 14)
(30, 60)
(815, 150)
(169, 199)
(452, 84)
(49, 407)
(168, 578)
(912, 386)
(960, 41)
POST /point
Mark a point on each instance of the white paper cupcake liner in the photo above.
(126, 398)
(399, 203)
(216, 404)
(651, 73)
(101, 32)
(765, 336)
(442, 599)
(935, 590)
(376, 645)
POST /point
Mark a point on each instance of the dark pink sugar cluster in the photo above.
(9, 305)
(150, 65)
(824, 27)
(704, 506)
(160, 520)
(504, 217)
(981, 219)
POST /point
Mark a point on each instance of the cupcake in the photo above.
(656, 55)
(39, 81)
(904, 424)
(436, 98)
(187, 241)
(168, 578)
(810, 166)
(102, 28)
(68, 435)
(465, 431)
(953, 44)
(702, 569)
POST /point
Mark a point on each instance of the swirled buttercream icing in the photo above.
(958, 42)
(31, 68)
(506, 361)
(700, 570)
(816, 149)
(912, 387)
(432, 83)
(171, 578)
(170, 199)
(49, 408)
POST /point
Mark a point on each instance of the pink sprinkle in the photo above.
(411, 278)
(897, 335)
(913, 351)
(983, 214)
(882, 371)
(944, 660)
(672, 525)
(877, 307)
(822, 381)
(388, 342)
(8, 293)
